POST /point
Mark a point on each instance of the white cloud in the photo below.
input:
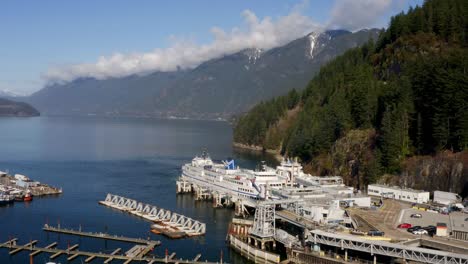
(358, 14)
(263, 33)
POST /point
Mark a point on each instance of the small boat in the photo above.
(169, 231)
(6, 199)
(174, 233)
(19, 198)
(155, 231)
(28, 197)
(159, 227)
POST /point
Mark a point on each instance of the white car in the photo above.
(416, 216)
(420, 232)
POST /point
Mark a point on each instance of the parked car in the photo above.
(420, 232)
(431, 230)
(414, 228)
(416, 216)
(404, 225)
(375, 233)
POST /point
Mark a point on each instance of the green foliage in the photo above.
(251, 128)
(447, 19)
(411, 88)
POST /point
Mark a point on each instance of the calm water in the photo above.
(89, 157)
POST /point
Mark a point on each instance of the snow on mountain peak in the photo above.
(253, 54)
(312, 40)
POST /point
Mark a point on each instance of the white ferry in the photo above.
(227, 178)
(265, 183)
(294, 172)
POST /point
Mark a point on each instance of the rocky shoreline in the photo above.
(275, 153)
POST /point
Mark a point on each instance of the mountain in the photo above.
(216, 88)
(132, 96)
(12, 108)
(393, 111)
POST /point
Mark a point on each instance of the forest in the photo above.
(366, 112)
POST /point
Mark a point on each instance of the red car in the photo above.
(404, 225)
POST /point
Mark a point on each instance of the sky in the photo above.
(50, 41)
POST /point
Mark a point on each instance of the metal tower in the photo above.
(264, 221)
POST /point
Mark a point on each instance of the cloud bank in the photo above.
(263, 33)
(358, 14)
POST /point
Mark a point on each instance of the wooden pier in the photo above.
(100, 235)
(72, 252)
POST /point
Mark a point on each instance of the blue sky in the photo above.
(37, 36)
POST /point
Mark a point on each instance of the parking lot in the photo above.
(455, 220)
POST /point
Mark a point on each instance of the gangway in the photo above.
(374, 247)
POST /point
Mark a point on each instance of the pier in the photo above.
(72, 252)
(218, 195)
(100, 235)
(9, 183)
(152, 213)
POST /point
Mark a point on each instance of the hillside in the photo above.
(12, 108)
(216, 88)
(371, 110)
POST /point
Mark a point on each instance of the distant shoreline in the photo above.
(255, 148)
(137, 116)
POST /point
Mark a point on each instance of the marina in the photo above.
(137, 253)
(20, 188)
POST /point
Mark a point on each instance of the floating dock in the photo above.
(100, 235)
(152, 213)
(138, 254)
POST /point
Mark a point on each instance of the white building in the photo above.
(397, 193)
(26, 184)
(446, 198)
(324, 214)
(355, 200)
(20, 177)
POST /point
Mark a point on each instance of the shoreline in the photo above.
(259, 149)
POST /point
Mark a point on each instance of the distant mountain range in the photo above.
(9, 94)
(12, 108)
(217, 88)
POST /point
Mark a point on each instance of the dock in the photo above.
(73, 252)
(39, 189)
(152, 213)
(100, 235)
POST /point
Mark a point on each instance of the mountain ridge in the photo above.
(10, 108)
(217, 88)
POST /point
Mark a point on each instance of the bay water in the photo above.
(88, 157)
